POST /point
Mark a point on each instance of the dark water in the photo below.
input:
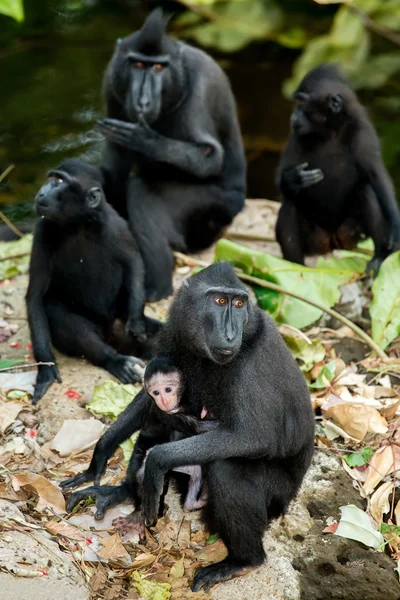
(51, 75)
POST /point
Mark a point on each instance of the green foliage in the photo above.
(14, 257)
(213, 538)
(150, 590)
(234, 24)
(328, 372)
(319, 284)
(6, 363)
(13, 9)
(230, 25)
(301, 349)
(393, 529)
(359, 459)
(111, 398)
(385, 306)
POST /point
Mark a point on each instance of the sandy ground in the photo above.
(301, 563)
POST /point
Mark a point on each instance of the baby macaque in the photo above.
(167, 422)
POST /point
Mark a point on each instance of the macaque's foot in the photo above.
(131, 523)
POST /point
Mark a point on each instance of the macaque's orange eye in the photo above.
(139, 65)
(221, 301)
(238, 303)
(55, 178)
(158, 67)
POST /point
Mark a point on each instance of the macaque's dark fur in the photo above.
(335, 187)
(255, 460)
(85, 272)
(190, 170)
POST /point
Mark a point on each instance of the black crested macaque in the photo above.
(335, 187)
(166, 422)
(172, 116)
(237, 366)
(85, 272)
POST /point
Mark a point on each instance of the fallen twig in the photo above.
(28, 366)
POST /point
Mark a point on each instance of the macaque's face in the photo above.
(165, 389)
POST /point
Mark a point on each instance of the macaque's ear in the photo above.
(93, 197)
(335, 103)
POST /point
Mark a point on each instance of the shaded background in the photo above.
(52, 64)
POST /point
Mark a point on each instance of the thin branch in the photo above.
(277, 288)
(28, 366)
(6, 172)
(10, 225)
(372, 26)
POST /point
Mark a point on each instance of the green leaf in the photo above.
(328, 371)
(309, 354)
(14, 257)
(294, 38)
(6, 363)
(236, 24)
(322, 50)
(355, 524)
(320, 285)
(13, 9)
(344, 261)
(386, 528)
(377, 71)
(358, 459)
(385, 305)
(177, 570)
(151, 590)
(111, 398)
(347, 29)
(213, 538)
(128, 446)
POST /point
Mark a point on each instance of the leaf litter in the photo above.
(357, 407)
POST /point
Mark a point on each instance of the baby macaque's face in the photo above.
(165, 389)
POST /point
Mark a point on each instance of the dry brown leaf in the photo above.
(357, 419)
(174, 533)
(333, 431)
(379, 503)
(389, 411)
(7, 493)
(66, 530)
(380, 465)
(114, 551)
(49, 494)
(384, 392)
(213, 552)
(76, 434)
(356, 474)
(143, 560)
(177, 570)
(8, 413)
